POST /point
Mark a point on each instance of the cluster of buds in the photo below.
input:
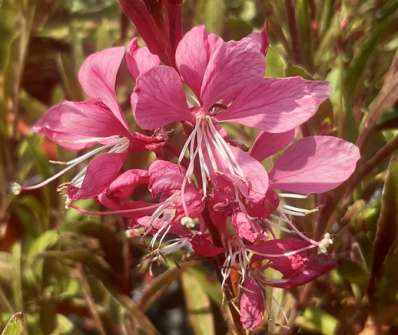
(209, 196)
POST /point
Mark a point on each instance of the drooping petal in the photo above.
(125, 184)
(97, 76)
(127, 208)
(245, 227)
(70, 123)
(194, 202)
(101, 171)
(263, 207)
(251, 305)
(204, 247)
(140, 60)
(255, 174)
(277, 247)
(232, 65)
(159, 98)
(315, 164)
(192, 57)
(165, 178)
(141, 142)
(316, 266)
(267, 144)
(276, 105)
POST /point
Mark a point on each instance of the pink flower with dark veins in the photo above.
(98, 124)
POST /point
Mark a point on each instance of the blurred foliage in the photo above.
(70, 274)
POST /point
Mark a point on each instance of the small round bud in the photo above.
(15, 188)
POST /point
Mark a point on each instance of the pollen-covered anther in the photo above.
(15, 188)
(188, 222)
(325, 243)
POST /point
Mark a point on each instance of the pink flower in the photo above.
(296, 259)
(95, 122)
(251, 304)
(227, 84)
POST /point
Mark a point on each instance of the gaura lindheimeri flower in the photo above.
(223, 81)
(97, 122)
(215, 188)
(216, 81)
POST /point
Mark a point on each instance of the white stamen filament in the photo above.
(200, 144)
(292, 195)
(116, 145)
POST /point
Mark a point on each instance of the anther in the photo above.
(15, 188)
(325, 243)
(188, 222)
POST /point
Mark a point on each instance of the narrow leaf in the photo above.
(198, 305)
(387, 224)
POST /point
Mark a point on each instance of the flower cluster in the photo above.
(211, 197)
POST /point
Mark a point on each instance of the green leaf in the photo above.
(353, 272)
(42, 243)
(14, 326)
(276, 64)
(212, 14)
(387, 224)
(317, 320)
(304, 25)
(198, 304)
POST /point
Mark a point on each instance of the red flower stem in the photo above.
(228, 286)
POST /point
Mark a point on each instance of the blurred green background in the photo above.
(70, 274)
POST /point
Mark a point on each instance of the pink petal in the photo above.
(173, 8)
(97, 76)
(204, 247)
(285, 264)
(264, 207)
(251, 305)
(101, 171)
(267, 144)
(140, 60)
(70, 122)
(315, 164)
(192, 56)
(165, 178)
(125, 185)
(245, 227)
(147, 26)
(141, 208)
(255, 174)
(231, 67)
(260, 38)
(141, 142)
(276, 105)
(312, 269)
(194, 202)
(159, 98)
